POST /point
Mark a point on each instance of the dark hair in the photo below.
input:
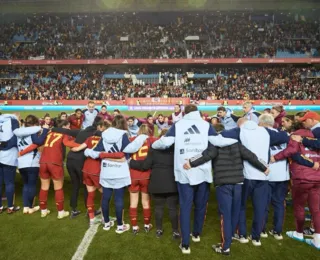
(289, 117)
(219, 127)
(190, 108)
(103, 124)
(104, 106)
(62, 113)
(130, 118)
(97, 120)
(62, 123)
(46, 115)
(296, 126)
(267, 110)
(149, 115)
(31, 120)
(77, 110)
(221, 109)
(117, 110)
(160, 115)
(279, 108)
(120, 122)
(300, 114)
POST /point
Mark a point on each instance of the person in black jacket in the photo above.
(228, 177)
(162, 186)
(75, 162)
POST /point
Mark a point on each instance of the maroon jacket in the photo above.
(301, 173)
(278, 120)
(106, 116)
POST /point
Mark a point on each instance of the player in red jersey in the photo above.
(139, 184)
(104, 114)
(51, 167)
(76, 119)
(91, 168)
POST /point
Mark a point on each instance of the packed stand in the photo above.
(170, 36)
(238, 83)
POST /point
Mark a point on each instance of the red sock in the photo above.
(133, 213)
(147, 216)
(59, 197)
(90, 204)
(43, 197)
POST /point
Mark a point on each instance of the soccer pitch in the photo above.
(31, 237)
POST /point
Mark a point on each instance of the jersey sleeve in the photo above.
(26, 131)
(69, 142)
(136, 144)
(40, 139)
(311, 142)
(30, 148)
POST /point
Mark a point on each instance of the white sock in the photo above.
(146, 225)
(312, 229)
(44, 211)
(135, 228)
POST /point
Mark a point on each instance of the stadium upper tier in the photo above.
(260, 83)
(171, 36)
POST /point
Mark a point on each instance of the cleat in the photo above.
(255, 242)
(195, 238)
(2, 209)
(276, 235)
(75, 213)
(94, 221)
(26, 210)
(264, 234)
(185, 249)
(218, 249)
(311, 243)
(147, 228)
(135, 231)
(241, 239)
(63, 214)
(176, 235)
(97, 212)
(123, 228)
(107, 226)
(34, 209)
(45, 213)
(295, 235)
(308, 232)
(12, 210)
(159, 233)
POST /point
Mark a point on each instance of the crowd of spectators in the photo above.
(124, 36)
(233, 83)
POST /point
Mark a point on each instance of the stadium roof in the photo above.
(80, 6)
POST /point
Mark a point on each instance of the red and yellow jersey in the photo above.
(140, 156)
(92, 166)
(75, 123)
(53, 148)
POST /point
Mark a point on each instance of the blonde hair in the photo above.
(144, 130)
(163, 132)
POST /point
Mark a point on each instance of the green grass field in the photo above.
(30, 237)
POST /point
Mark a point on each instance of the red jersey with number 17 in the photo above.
(140, 156)
(92, 166)
(53, 148)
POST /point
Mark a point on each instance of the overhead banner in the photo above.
(162, 61)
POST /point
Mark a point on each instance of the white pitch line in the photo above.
(154, 113)
(85, 243)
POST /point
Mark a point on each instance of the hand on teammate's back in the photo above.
(187, 165)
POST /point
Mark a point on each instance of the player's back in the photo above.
(140, 155)
(53, 149)
(92, 166)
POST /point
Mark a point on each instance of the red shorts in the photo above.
(139, 185)
(51, 171)
(91, 180)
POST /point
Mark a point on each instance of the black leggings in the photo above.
(172, 201)
(75, 171)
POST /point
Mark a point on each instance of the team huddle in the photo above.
(249, 157)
